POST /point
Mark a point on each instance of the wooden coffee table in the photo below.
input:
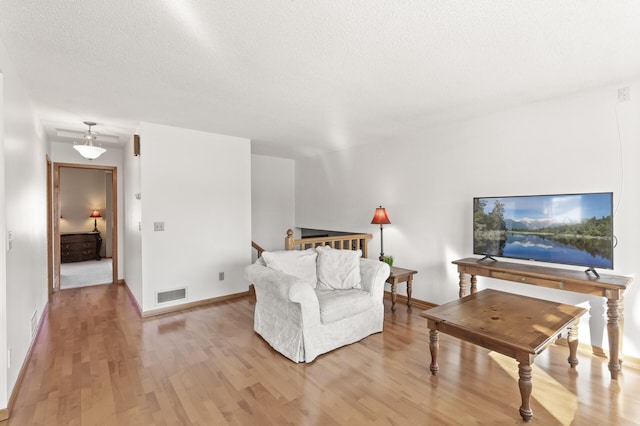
(516, 326)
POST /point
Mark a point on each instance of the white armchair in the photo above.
(302, 322)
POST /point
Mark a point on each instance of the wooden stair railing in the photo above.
(252, 289)
(346, 242)
(257, 247)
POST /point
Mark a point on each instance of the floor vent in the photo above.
(171, 295)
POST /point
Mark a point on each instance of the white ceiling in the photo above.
(300, 77)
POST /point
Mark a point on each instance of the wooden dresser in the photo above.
(80, 246)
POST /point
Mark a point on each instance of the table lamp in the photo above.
(380, 218)
(95, 214)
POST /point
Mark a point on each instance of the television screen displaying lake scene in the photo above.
(573, 229)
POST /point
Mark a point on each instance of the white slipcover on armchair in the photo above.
(309, 302)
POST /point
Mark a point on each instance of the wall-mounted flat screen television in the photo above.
(573, 229)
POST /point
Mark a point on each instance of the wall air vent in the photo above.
(171, 295)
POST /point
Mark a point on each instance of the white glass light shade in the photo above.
(89, 151)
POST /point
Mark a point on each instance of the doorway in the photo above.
(94, 234)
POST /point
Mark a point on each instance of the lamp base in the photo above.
(381, 258)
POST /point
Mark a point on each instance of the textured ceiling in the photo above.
(300, 77)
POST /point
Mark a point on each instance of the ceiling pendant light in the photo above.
(89, 150)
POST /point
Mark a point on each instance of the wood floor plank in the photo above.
(96, 362)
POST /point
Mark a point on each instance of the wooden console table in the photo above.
(611, 287)
(520, 327)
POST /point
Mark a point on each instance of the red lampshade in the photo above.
(380, 217)
(95, 213)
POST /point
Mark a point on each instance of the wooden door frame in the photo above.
(50, 226)
(56, 216)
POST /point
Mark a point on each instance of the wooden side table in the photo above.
(400, 275)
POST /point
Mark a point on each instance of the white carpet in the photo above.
(80, 274)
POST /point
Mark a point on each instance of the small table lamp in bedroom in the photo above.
(380, 218)
(95, 214)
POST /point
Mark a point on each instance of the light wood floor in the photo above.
(96, 362)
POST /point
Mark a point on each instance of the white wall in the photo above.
(81, 190)
(132, 268)
(3, 254)
(427, 182)
(199, 185)
(64, 153)
(272, 200)
(23, 268)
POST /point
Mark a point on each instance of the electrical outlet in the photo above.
(158, 226)
(624, 94)
(220, 276)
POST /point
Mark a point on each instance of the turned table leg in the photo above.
(433, 348)
(525, 385)
(572, 340)
(621, 327)
(474, 281)
(462, 282)
(613, 333)
(394, 295)
(409, 285)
